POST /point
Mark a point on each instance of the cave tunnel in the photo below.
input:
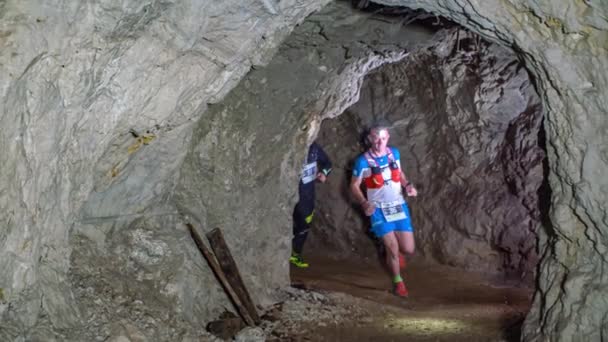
(466, 118)
(128, 128)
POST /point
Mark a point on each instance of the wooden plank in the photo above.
(224, 257)
(215, 266)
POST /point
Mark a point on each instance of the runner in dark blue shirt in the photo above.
(316, 167)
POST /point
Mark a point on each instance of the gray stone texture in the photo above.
(466, 120)
(99, 100)
(104, 111)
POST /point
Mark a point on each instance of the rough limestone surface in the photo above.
(466, 119)
(563, 44)
(98, 103)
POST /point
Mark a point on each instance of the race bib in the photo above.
(309, 173)
(393, 213)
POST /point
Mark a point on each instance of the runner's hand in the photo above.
(368, 208)
(411, 191)
(321, 177)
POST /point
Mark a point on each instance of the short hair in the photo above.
(378, 125)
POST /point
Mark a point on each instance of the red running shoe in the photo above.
(400, 289)
(402, 263)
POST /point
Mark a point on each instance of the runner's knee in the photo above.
(406, 244)
(409, 249)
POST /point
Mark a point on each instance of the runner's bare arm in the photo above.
(404, 181)
(409, 187)
(355, 188)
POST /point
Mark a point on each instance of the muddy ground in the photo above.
(351, 301)
(445, 304)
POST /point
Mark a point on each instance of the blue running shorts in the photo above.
(381, 227)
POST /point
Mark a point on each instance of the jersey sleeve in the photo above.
(396, 155)
(360, 166)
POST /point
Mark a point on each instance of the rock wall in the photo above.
(99, 100)
(563, 46)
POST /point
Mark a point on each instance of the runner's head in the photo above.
(378, 136)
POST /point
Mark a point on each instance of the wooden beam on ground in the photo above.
(215, 266)
(224, 257)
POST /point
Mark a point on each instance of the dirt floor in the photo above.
(445, 304)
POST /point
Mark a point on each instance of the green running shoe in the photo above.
(296, 260)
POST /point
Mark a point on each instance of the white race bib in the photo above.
(393, 213)
(309, 173)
